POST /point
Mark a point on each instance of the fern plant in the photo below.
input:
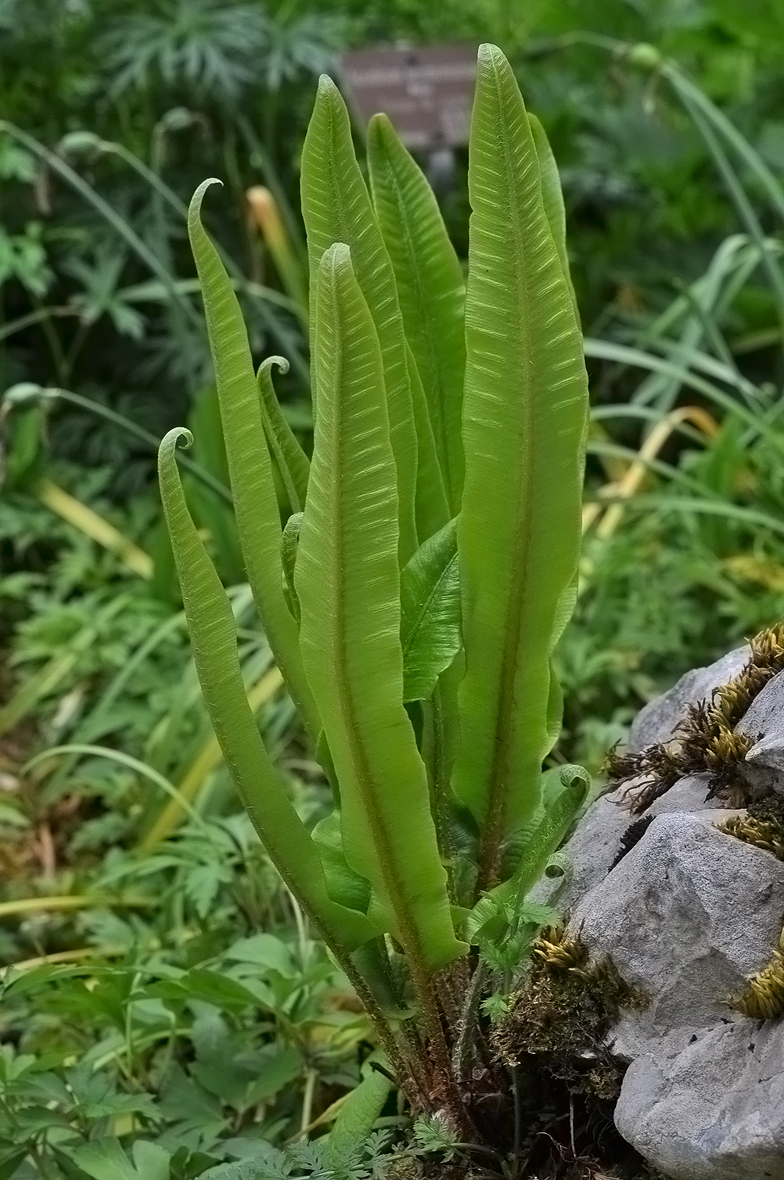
(422, 580)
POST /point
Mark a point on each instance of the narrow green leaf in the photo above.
(525, 415)
(348, 581)
(214, 641)
(250, 467)
(336, 207)
(555, 821)
(432, 508)
(343, 884)
(430, 286)
(288, 548)
(292, 461)
(356, 1120)
(552, 196)
(430, 632)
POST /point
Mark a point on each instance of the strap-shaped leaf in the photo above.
(525, 413)
(292, 461)
(336, 207)
(288, 550)
(432, 508)
(430, 287)
(214, 641)
(348, 581)
(355, 1121)
(552, 196)
(343, 884)
(250, 467)
(430, 613)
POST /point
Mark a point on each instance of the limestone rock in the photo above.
(763, 768)
(714, 1111)
(689, 794)
(597, 841)
(657, 721)
(688, 915)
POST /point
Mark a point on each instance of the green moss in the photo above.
(767, 834)
(763, 999)
(562, 1013)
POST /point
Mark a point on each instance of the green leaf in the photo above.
(525, 414)
(348, 581)
(552, 196)
(336, 207)
(430, 613)
(292, 461)
(356, 1119)
(288, 549)
(250, 466)
(264, 950)
(546, 836)
(214, 642)
(430, 287)
(432, 509)
(211, 511)
(343, 884)
(105, 1159)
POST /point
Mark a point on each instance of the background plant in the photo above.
(665, 263)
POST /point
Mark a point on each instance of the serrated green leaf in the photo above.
(356, 1119)
(348, 581)
(336, 207)
(250, 466)
(430, 287)
(430, 632)
(105, 1159)
(293, 463)
(214, 641)
(525, 413)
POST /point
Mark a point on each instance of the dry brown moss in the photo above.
(705, 740)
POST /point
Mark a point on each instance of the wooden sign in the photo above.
(426, 92)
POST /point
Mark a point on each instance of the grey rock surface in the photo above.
(664, 916)
(597, 841)
(688, 794)
(657, 721)
(687, 916)
(713, 1111)
(763, 722)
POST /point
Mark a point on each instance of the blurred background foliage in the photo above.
(121, 853)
